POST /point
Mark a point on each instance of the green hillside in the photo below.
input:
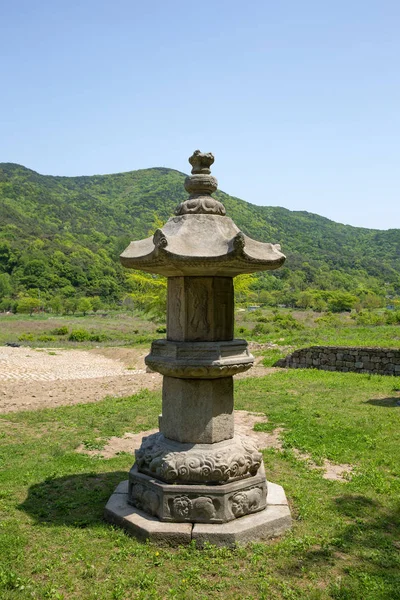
(61, 237)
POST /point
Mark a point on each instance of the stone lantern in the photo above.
(195, 478)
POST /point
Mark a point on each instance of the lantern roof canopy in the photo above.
(200, 240)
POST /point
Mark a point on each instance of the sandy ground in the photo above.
(38, 378)
(44, 377)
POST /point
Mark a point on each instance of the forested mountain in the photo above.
(61, 237)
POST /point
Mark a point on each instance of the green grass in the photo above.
(300, 329)
(118, 328)
(111, 329)
(344, 543)
(385, 336)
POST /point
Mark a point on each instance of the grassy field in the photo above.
(285, 328)
(111, 329)
(345, 542)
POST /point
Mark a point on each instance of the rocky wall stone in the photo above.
(382, 361)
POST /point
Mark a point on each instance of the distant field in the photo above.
(285, 328)
(111, 329)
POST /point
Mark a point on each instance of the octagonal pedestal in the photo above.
(197, 503)
(274, 520)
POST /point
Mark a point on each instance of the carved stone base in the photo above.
(179, 463)
(274, 520)
(197, 503)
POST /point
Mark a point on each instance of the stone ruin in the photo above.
(195, 478)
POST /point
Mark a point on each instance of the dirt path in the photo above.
(44, 377)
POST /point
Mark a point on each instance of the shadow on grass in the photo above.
(387, 402)
(73, 500)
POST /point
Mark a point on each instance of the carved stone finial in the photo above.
(201, 162)
(200, 185)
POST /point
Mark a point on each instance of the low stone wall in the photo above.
(384, 361)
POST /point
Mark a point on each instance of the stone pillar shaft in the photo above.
(200, 309)
(197, 411)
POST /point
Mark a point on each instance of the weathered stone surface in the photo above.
(271, 522)
(199, 503)
(200, 309)
(276, 495)
(197, 411)
(200, 186)
(184, 247)
(144, 526)
(175, 462)
(199, 360)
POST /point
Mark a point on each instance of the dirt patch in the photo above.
(329, 469)
(258, 370)
(337, 472)
(129, 442)
(244, 424)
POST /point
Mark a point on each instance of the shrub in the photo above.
(26, 337)
(161, 330)
(366, 317)
(271, 356)
(262, 320)
(392, 318)
(243, 331)
(98, 337)
(261, 328)
(144, 339)
(79, 335)
(341, 302)
(287, 321)
(46, 338)
(59, 330)
(329, 319)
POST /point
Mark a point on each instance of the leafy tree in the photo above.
(28, 305)
(319, 304)
(70, 305)
(148, 294)
(84, 305)
(341, 302)
(5, 285)
(56, 305)
(96, 303)
(305, 299)
(243, 291)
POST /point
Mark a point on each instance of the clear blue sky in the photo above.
(298, 100)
